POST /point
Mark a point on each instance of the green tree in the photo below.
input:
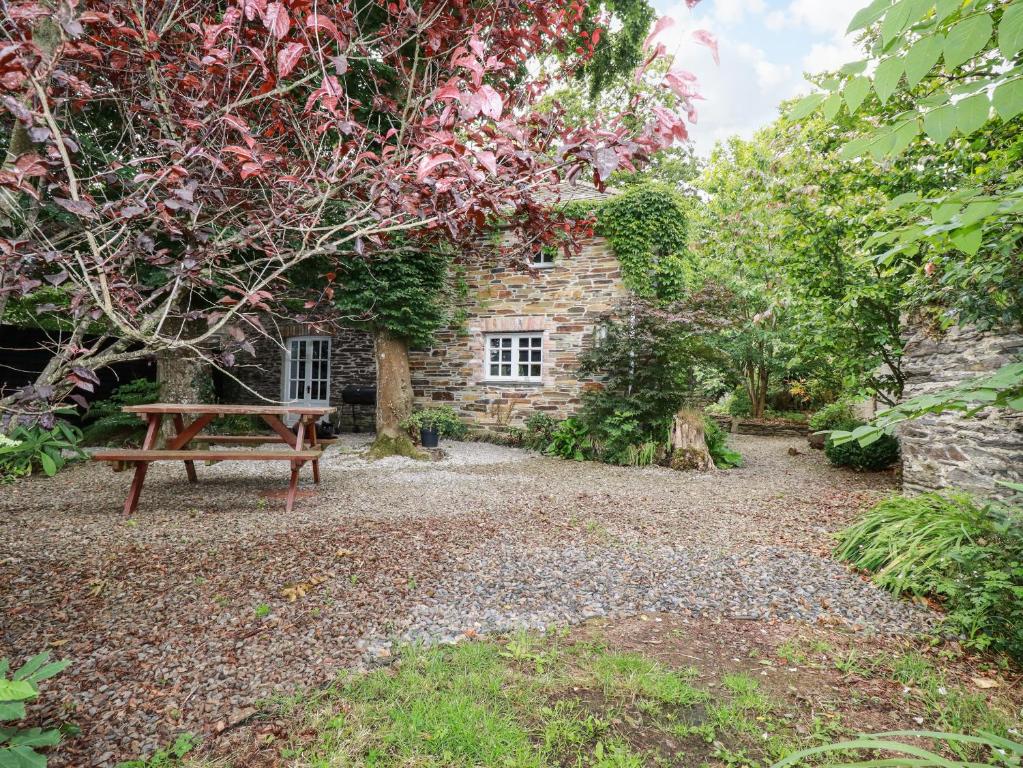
(402, 297)
(945, 82)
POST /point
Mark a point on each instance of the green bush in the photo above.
(880, 454)
(539, 430)
(571, 440)
(969, 555)
(717, 443)
(739, 403)
(443, 419)
(17, 745)
(105, 422)
(29, 449)
(832, 416)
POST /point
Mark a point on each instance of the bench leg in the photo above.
(141, 467)
(132, 502)
(292, 487)
(312, 444)
(179, 426)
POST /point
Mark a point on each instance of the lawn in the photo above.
(648, 691)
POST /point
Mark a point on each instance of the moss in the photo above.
(402, 445)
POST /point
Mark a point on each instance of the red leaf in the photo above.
(703, 37)
(251, 169)
(277, 20)
(319, 21)
(240, 152)
(253, 8)
(77, 207)
(488, 160)
(30, 164)
(288, 57)
(491, 103)
(429, 162)
(449, 91)
(662, 24)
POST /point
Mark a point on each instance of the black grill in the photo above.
(353, 396)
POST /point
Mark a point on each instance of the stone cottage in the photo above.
(516, 350)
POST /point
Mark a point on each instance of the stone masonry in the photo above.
(948, 451)
(563, 303)
(351, 364)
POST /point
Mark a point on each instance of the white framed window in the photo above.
(305, 378)
(542, 257)
(514, 356)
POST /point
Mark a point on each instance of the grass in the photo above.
(533, 701)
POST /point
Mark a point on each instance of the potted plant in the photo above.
(433, 424)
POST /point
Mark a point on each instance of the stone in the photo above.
(946, 451)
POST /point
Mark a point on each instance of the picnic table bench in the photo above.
(302, 442)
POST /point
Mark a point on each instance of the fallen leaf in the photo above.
(984, 682)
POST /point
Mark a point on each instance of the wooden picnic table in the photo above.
(302, 441)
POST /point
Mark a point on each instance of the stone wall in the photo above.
(563, 303)
(741, 426)
(949, 451)
(351, 364)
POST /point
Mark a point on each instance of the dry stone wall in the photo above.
(563, 303)
(949, 451)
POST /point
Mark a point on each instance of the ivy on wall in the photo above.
(647, 226)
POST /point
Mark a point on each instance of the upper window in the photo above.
(515, 357)
(542, 258)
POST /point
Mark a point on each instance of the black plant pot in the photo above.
(429, 437)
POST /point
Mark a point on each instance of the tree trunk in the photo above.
(760, 404)
(46, 36)
(394, 385)
(184, 377)
(689, 443)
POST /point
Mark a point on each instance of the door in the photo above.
(306, 374)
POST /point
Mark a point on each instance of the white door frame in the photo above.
(306, 380)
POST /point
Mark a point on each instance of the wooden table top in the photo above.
(228, 410)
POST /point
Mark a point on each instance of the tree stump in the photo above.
(689, 443)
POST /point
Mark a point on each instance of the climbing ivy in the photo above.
(648, 227)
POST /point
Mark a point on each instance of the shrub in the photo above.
(539, 430)
(880, 454)
(29, 449)
(618, 437)
(967, 554)
(717, 443)
(571, 440)
(105, 419)
(739, 403)
(17, 745)
(832, 416)
(444, 420)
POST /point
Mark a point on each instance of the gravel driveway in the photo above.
(181, 618)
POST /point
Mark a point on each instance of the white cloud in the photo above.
(831, 17)
(730, 12)
(831, 56)
(766, 46)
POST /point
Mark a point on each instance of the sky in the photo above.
(765, 46)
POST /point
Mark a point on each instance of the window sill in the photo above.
(510, 384)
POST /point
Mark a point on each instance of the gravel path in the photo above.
(181, 618)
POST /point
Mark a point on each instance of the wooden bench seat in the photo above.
(136, 454)
(249, 439)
